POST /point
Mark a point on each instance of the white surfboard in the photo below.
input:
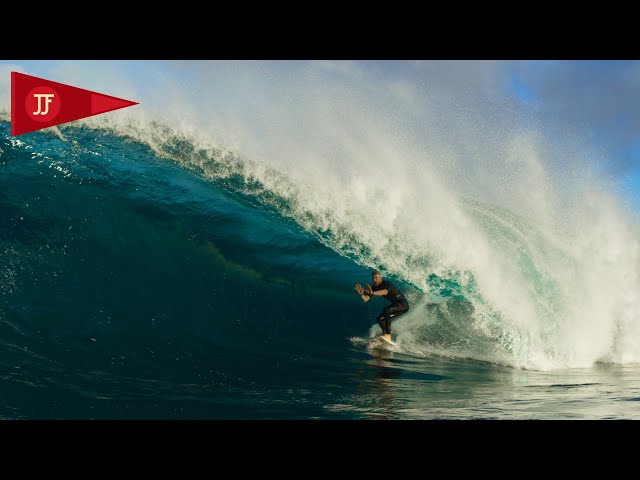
(390, 342)
(381, 342)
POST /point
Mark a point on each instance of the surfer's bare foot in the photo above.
(387, 336)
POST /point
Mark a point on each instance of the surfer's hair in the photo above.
(376, 272)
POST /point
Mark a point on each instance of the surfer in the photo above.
(386, 289)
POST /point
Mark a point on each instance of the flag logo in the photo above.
(37, 103)
(46, 103)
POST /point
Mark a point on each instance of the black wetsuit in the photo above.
(399, 305)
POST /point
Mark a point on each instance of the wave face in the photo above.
(143, 271)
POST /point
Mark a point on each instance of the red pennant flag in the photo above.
(37, 103)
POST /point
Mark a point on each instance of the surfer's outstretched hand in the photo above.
(358, 288)
(369, 290)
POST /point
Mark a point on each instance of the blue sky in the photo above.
(598, 99)
(603, 97)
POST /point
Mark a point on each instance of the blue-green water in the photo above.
(134, 287)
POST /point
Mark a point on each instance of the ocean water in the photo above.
(158, 279)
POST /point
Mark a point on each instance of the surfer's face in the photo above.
(377, 279)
